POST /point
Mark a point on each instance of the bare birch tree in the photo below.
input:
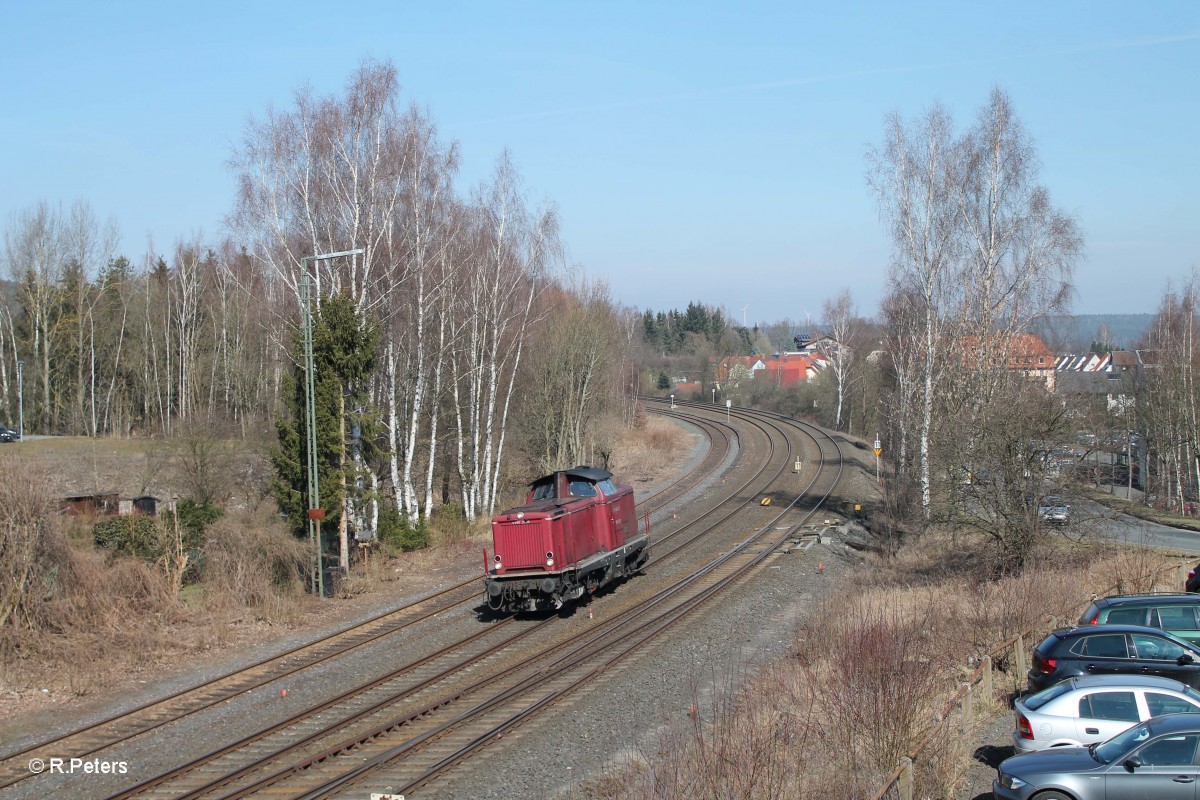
(913, 177)
(841, 354)
(981, 250)
(572, 379)
(515, 249)
(1019, 250)
(325, 177)
(36, 257)
(422, 318)
(1167, 403)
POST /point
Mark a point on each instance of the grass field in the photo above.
(163, 468)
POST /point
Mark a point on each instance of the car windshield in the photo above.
(1116, 747)
(1038, 699)
(1186, 645)
(1192, 694)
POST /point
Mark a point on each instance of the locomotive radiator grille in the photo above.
(522, 545)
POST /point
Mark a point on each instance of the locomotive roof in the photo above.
(594, 474)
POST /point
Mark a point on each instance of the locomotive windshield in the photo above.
(583, 489)
(544, 490)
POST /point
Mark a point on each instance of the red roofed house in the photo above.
(1023, 352)
(787, 369)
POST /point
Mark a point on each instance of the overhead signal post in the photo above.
(314, 512)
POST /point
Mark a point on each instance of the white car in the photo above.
(1053, 509)
(1094, 708)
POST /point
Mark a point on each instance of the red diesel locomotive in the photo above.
(576, 532)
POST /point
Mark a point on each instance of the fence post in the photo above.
(986, 681)
(1020, 656)
(906, 779)
(967, 704)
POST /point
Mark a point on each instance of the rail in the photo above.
(963, 700)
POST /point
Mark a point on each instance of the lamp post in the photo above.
(314, 512)
(21, 400)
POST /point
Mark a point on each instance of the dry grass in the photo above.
(63, 608)
(248, 565)
(871, 677)
(654, 446)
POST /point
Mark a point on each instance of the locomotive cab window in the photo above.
(608, 487)
(583, 489)
(543, 491)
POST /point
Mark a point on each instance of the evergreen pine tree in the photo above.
(345, 347)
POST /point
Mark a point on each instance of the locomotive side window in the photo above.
(544, 491)
(583, 489)
(608, 487)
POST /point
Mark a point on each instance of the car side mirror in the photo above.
(1133, 762)
(1186, 658)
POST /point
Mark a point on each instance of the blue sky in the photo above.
(695, 151)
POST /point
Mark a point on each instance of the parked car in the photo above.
(1177, 614)
(1113, 649)
(1053, 509)
(1193, 579)
(8, 434)
(1153, 760)
(1094, 708)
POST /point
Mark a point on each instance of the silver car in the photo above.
(1154, 760)
(1094, 708)
(1053, 509)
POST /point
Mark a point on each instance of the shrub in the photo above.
(451, 522)
(248, 565)
(46, 585)
(194, 518)
(135, 535)
(397, 531)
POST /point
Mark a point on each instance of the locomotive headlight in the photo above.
(549, 559)
(497, 558)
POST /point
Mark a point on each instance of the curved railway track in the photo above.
(113, 730)
(404, 729)
(414, 746)
(357, 712)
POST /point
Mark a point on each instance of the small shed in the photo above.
(146, 505)
(92, 504)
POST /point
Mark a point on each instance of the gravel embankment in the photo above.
(628, 712)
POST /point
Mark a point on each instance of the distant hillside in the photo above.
(1075, 333)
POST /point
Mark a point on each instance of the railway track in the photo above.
(111, 731)
(412, 764)
(408, 727)
(341, 716)
(415, 745)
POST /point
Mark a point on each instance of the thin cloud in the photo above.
(1125, 44)
(1118, 44)
(698, 94)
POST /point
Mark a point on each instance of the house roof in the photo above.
(1125, 358)
(1088, 362)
